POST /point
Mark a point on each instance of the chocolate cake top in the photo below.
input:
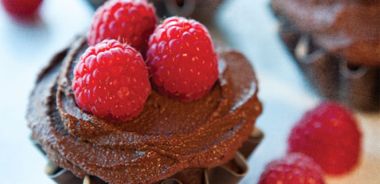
(167, 137)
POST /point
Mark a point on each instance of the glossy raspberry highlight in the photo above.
(182, 59)
(293, 169)
(330, 135)
(111, 80)
(129, 21)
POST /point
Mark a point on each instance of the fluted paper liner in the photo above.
(334, 78)
(229, 173)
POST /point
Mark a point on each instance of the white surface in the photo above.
(24, 50)
(248, 26)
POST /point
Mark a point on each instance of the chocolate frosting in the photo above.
(348, 28)
(167, 137)
(229, 173)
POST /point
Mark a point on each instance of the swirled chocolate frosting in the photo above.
(348, 28)
(167, 137)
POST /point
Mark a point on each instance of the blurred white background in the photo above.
(246, 25)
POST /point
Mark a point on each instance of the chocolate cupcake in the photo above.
(168, 142)
(183, 113)
(337, 45)
(202, 10)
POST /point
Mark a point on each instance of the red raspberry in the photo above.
(295, 168)
(181, 59)
(111, 80)
(330, 135)
(129, 21)
(21, 9)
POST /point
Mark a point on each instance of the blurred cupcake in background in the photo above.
(337, 45)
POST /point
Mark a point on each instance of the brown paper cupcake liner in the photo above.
(229, 173)
(202, 10)
(356, 86)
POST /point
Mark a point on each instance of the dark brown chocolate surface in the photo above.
(229, 173)
(169, 136)
(346, 28)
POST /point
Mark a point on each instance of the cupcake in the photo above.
(114, 107)
(202, 10)
(337, 45)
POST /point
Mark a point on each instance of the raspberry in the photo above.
(21, 9)
(129, 21)
(111, 80)
(330, 135)
(295, 168)
(182, 59)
